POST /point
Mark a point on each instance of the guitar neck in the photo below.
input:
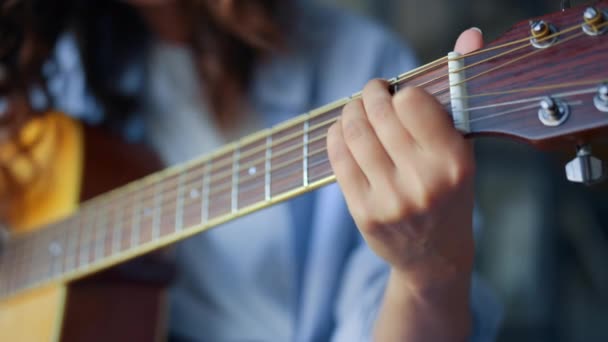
(253, 173)
(533, 88)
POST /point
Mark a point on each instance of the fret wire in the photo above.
(22, 269)
(206, 190)
(157, 210)
(14, 270)
(305, 155)
(136, 219)
(267, 167)
(119, 212)
(19, 275)
(282, 176)
(10, 274)
(420, 71)
(311, 153)
(57, 250)
(47, 259)
(65, 238)
(32, 258)
(84, 246)
(235, 179)
(3, 262)
(179, 205)
(101, 223)
(10, 266)
(295, 186)
(71, 248)
(288, 137)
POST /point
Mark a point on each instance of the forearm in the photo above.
(435, 313)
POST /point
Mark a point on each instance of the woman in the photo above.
(183, 73)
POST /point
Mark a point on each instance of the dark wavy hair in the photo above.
(227, 36)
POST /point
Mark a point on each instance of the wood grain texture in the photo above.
(575, 58)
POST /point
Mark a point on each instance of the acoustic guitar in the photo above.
(544, 82)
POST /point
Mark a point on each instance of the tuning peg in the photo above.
(585, 168)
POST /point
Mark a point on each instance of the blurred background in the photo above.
(544, 247)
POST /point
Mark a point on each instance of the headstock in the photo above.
(545, 81)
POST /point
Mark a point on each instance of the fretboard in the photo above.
(251, 174)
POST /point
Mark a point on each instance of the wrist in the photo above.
(438, 312)
(436, 286)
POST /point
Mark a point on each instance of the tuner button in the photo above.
(540, 31)
(601, 99)
(553, 112)
(602, 92)
(593, 19)
(584, 168)
(592, 16)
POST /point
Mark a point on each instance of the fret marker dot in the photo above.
(55, 249)
(252, 171)
(194, 193)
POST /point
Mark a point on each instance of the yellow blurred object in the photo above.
(46, 165)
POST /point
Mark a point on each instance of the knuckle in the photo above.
(379, 111)
(352, 108)
(461, 166)
(428, 193)
(461, 171)
(406, 97)
(353, 128)
(365, 221)
(397, 209)
(376, 83)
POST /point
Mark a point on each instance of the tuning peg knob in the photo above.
(542, 34)
(585, 168)
(593, 21)
(601, 99)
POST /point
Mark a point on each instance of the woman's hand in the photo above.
(407, 176)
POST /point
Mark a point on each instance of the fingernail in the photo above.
(477, 29)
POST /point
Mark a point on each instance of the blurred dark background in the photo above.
(544, 247)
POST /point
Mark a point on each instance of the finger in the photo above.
(469, 41)
(364, 145)
(351, 179)
(395, 139)
(425, 119)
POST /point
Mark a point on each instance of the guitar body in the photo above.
(105, 307)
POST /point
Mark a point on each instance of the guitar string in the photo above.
(96, 238)
(481, 51)
(587, 91)
(414, 72)
(465, 56)
(227, 185)
(227, 160)
(223, 180)
(485, 72)
(478, 63)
